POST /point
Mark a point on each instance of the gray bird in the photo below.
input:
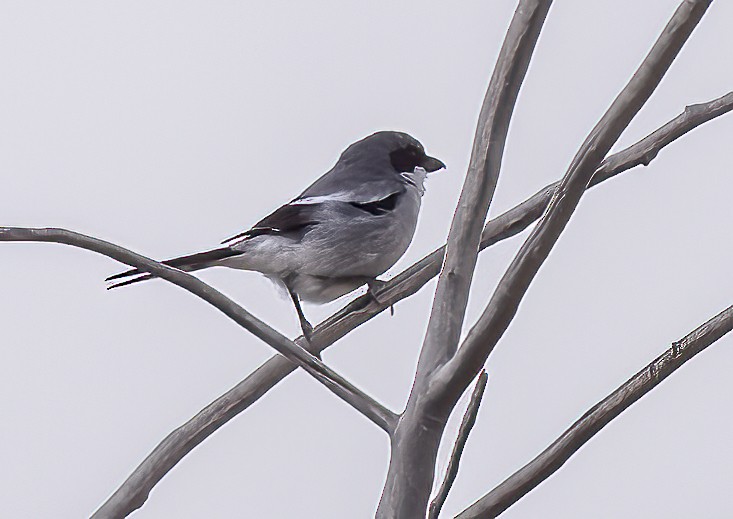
(343, 231)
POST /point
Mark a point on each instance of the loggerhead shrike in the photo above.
(343, 231)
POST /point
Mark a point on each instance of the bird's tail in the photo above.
(188, 263)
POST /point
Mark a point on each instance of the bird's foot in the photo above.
(305, 340)
(374, 286)
(307, 329)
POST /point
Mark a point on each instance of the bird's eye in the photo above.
(406, 159)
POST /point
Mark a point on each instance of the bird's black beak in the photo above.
(431, 164)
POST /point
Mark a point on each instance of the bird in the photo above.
(348, 227)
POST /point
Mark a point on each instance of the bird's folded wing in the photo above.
(306, 211)
(353, 185)
(287, 219)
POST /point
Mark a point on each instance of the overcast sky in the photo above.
(166, 126)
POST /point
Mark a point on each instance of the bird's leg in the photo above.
(304, 324)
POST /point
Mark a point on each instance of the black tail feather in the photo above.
(143, 277)
(131, 272)
(186, 263)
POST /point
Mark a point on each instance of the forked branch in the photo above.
(461, 250)
(133, 492)
(454, 377)
(418, 433)
(438, 385)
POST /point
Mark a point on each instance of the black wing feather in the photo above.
(290, 218)
(379, 207)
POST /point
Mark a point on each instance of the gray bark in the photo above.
(136, 488)
(438, 385)
(469, 419)
(417, 437)
(554, 456)
(341, 387)
(445, 370)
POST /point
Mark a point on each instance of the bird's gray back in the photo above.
(358, 182)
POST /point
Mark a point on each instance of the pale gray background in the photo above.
(166, 126)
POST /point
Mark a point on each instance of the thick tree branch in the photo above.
(455, 376)
(438, 385)
(417, 437)
(369, 407)
(454, 282)
(469, 419)
(134, 491)
(552, 458)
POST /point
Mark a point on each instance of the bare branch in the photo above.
(643, 152)
(134, 491)
(552, 458)
(181, 441)
(454, 377)
(437, 387)
(416, 439)
(369, 407)
(469, 419)
(454, 282)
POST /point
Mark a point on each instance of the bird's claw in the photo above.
(374, 286)
(307, 330)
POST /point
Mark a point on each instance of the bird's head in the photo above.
(403, 152)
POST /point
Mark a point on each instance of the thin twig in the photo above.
(469, 419)
(554, 456)
(366, 405)
(134, 491)
(416, 439)
(521, 216)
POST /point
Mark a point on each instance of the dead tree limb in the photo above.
(133, 492)
(503, 305)
(553, 457)
(416, 438)
(438, 384)
(341, 387)
(521, 216)
(461, 250)
(173, 448)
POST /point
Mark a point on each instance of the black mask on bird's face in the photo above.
(413, 156)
